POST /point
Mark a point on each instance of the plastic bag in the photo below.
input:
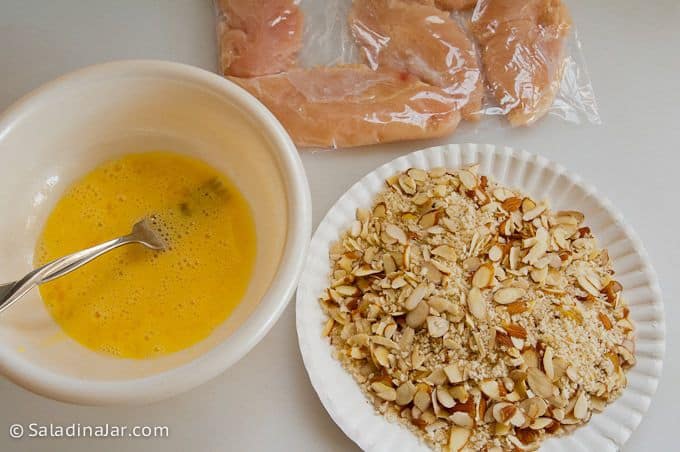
(352, 105)
(528, 61)
(517, 59)
(258, 37)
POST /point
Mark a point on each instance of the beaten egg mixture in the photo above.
(134, 302)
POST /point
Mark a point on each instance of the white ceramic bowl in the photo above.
(60, 131)
(541, 178)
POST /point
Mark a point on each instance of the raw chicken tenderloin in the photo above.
(352, 105)
(456, 5)
(422, 40)
(449, 5)
(521, 43)
(258, 37)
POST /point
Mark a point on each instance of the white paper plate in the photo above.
(540, 178)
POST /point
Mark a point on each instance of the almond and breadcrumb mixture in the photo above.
(475, 315)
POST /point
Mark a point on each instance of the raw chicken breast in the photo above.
(521, 43)
(422, 40)
(449, 5)
(352, 105)
(456, 5)
(258, 37)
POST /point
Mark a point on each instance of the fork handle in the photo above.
(11, 292)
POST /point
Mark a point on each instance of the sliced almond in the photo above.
(453, 373)
(440, 304)
(418, 315)
(458, 438)
(514, 257)
(468, 179)
(347, 291)
(432, 273)
(355, 230)
(581, 406)
(476, 304)
(503, 411)
(569, 217)
(572, 374)
(518, 419)
(437, 326)
(598, 404)
(407, 184)
(409, 216)
(459, 393)
(441, 267)
(389, 265)
(437, 377)
(511, 204)
(429, 219)
(405, 393)
(420, 199)
(604, 319)
(381, 355)
(381, 340)
(406, 257)
(445, 398)
(500, 429)
(483, 276)
(517, 342)
(383, 391)
(502, 193)
(534, 407)
(445, 252)
(421, 399)
(471, 264)
(586, 285)
(515, 330)
(627, 356)
(508, 295)
(559, 367)
(365, 270)
(390, 330)
(539, 383)
(396, 233)
(490, 388)
(539, 275)
(436, 173)
(527, 205)
(548, 363)
(360, 339)
(517, 307)
(415, 297)
(611, 290)
(417, 174)
(380, 210)
(399, 282)
(535, 212)
(541, 423)
(462, 419)
(495, 253)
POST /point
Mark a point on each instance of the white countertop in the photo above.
(265, 402)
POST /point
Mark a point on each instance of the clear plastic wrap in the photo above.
(258, 37)
(434, 61)
(522, 45)
(353, 105)
(422, 40)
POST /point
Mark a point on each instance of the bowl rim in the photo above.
(207, 366)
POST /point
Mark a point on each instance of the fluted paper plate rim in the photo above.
(541, 178)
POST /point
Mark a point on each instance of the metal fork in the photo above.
(142, 232)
